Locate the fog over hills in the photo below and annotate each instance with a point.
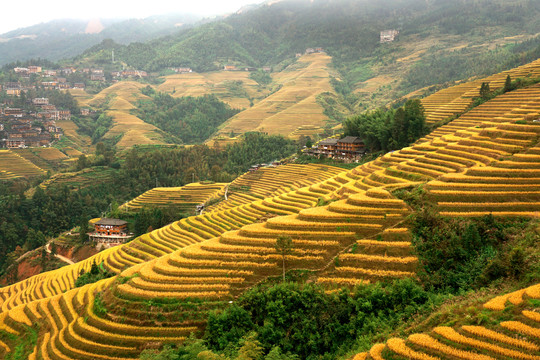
(65, 38)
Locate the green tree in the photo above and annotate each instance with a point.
(284, 246)
(168, 353)
(389, 129)
(82, 162)
(83, 230)
(53, 248)
(34, 239)
(484, 90)
(251, 348)
(276, 354)
(227, 327)
(507, 84)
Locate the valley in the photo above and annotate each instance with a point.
(316, 180)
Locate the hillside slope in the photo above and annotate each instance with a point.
(439, 42)
(172, 277)
(293, 105)
(120, 99)
(512, 333)
(60, 39)
(235, 88)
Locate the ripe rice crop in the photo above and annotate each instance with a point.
(427, 341)
(19, 315)
(96, 334)
(360, 356)
(385, 259)
(452, 335)
(342, 281)
(533, 315)
(399, 347)
(493, 335)
(143, 284)
(533, 291)
(371, 272)
(521, 328)
(129, 292)
(376, 352)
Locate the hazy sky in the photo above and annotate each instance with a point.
(14, 14)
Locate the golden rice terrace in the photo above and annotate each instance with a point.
(490, 157)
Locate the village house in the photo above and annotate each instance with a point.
(182, 70)
(388, 35)
(79, 86)
(68, 71)
(110, 232)
(12, 85)
(133, 73)
(63, 115)
(49, 84)
(14, 112)
(47, 115)
(85, 111)
(14, 142)
(40, 101)
(229, 68)
(95, 77)
(327, 147)
(13, 92)
(49, 73)
(49, 107)
(21, 70)
(267, 69)
(32, 69)
(13, 88)
(350, 147)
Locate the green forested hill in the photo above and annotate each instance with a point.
(60, 39)
(347, 29)
(439, 41)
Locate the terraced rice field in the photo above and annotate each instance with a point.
(369, 260)
(45, 158)
(175, 236)
(306, 130)
(122, 97)
(517, 338)
(80, 179)
(184, 198)
(217, 83)
(294, 105)
(269, 182)
(456, 99)
(208, 260)
(13, 166)
(71, 152)
(75, 140)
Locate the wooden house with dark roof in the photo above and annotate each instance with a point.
(110, 232)
(350, 147)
